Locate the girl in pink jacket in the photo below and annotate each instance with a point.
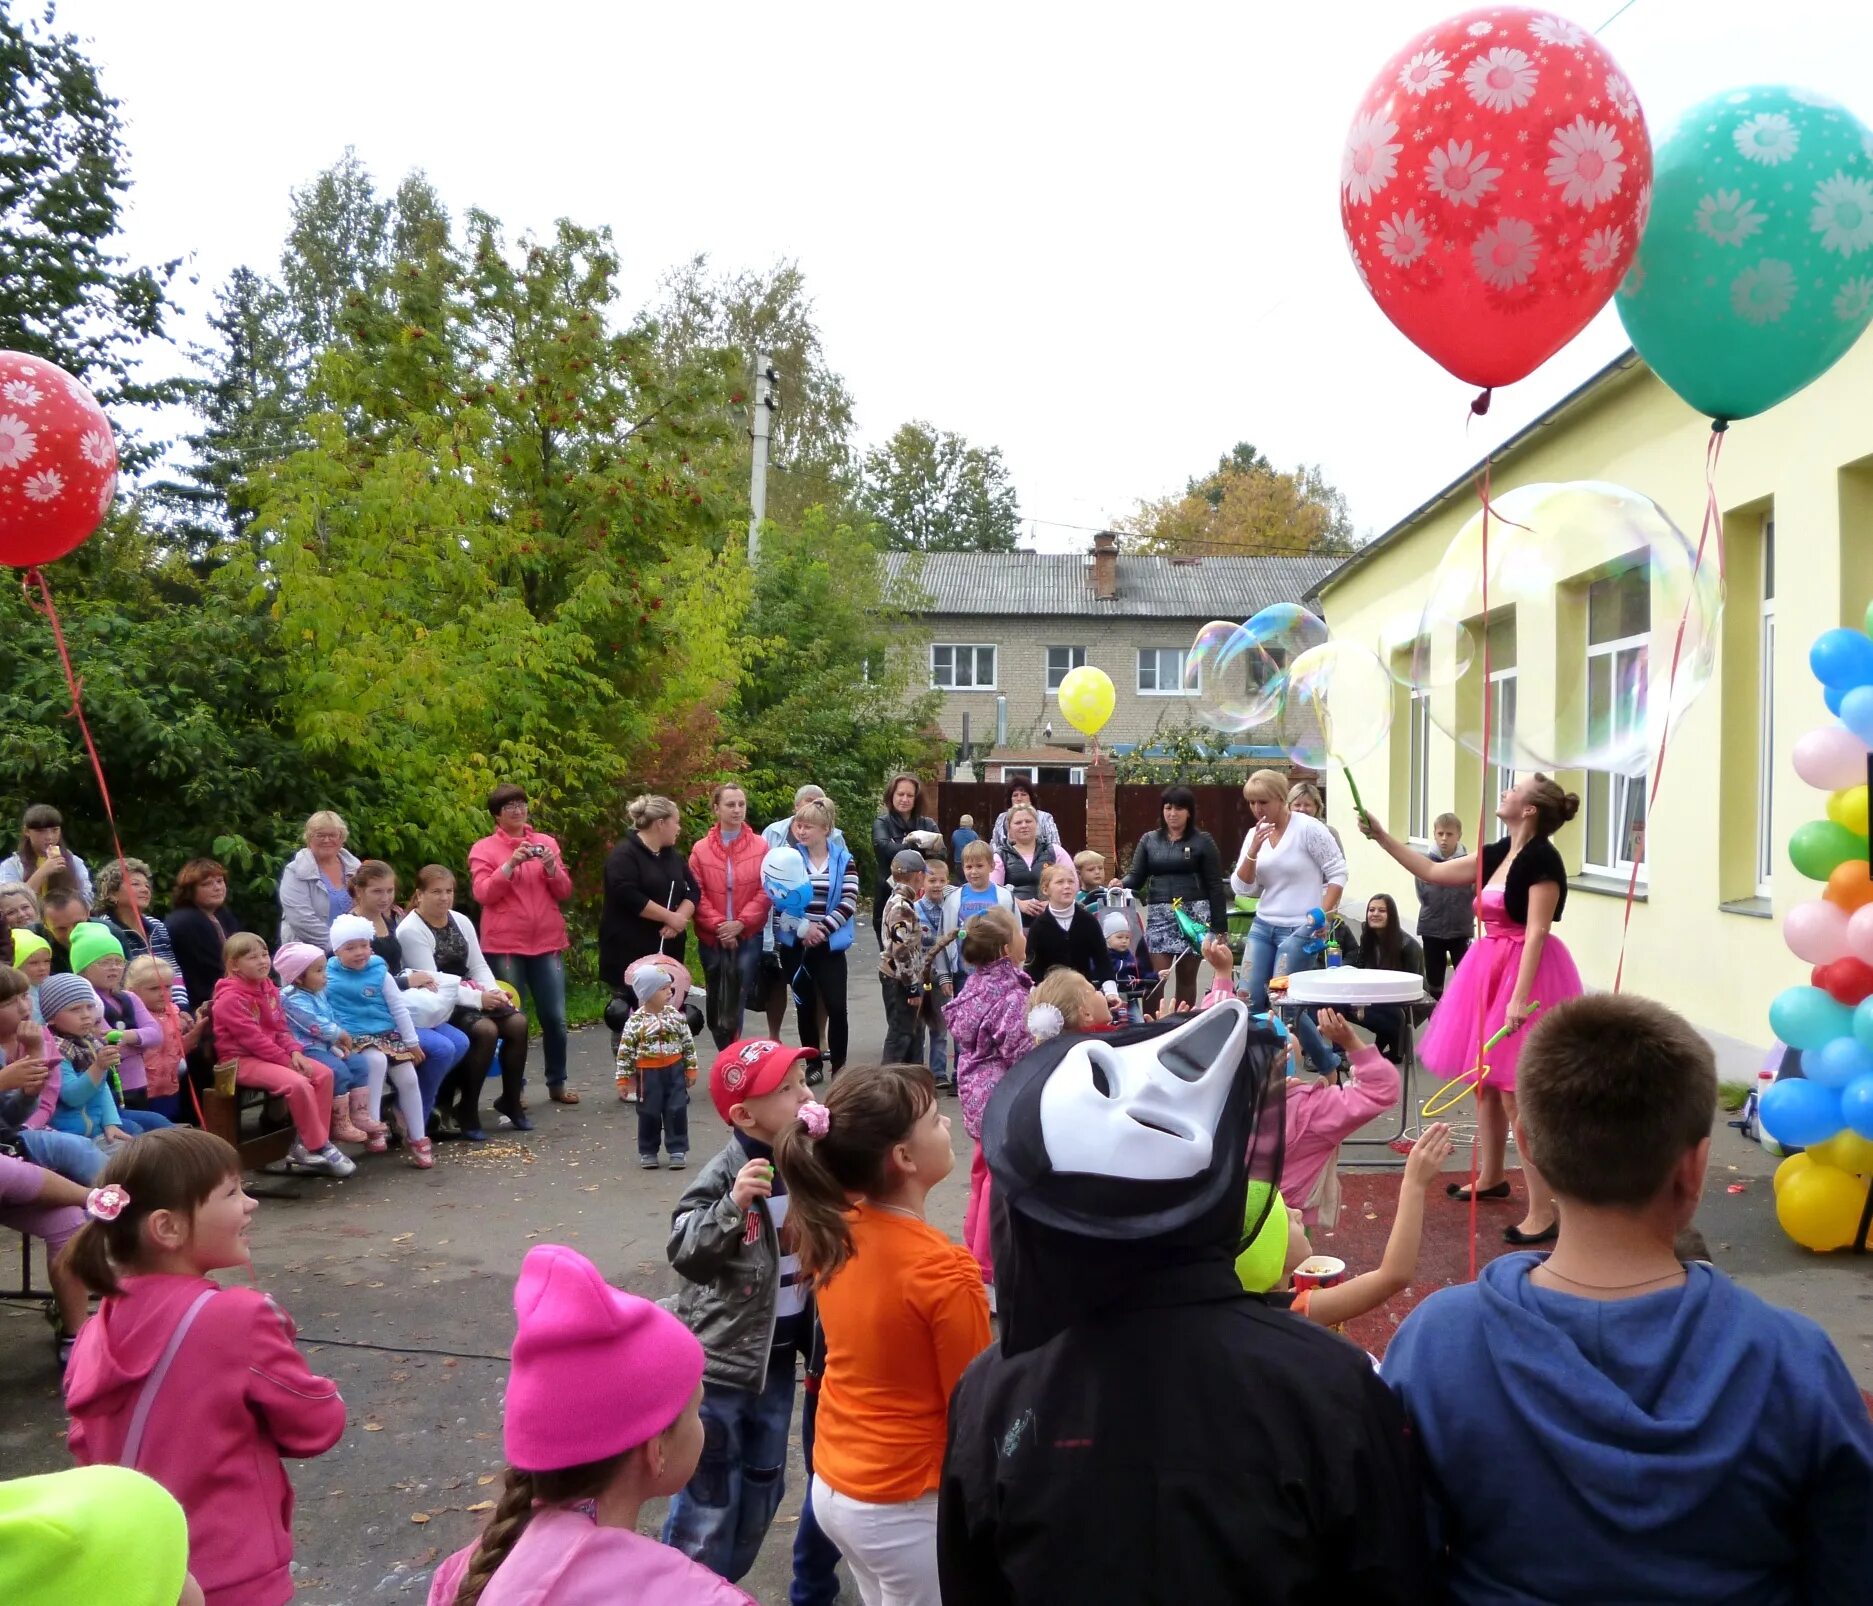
(1321, 1115)
(603, 1412)
(988, 1021)
(250, 1027)
(198, 1386)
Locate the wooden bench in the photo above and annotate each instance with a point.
(264, 1145)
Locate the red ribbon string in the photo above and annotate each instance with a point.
(1482, 821)
(1713, 520)
(43, 604)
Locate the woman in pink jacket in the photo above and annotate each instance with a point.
(198, 1386)
(731, 911)
(520, 881)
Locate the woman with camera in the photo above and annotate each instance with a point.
(520, 881)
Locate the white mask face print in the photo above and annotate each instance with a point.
(1145, 1111)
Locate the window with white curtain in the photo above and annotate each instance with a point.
(1619, 633)
(1765, 702)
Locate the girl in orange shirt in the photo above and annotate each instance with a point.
(903, 1310)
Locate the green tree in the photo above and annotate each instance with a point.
(931, 491)
(1245, 508)
(832, 691)
(500, 555)
(810, 459)
(68, 294)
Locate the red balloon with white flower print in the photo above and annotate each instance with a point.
(58, 461)
(1493, 188)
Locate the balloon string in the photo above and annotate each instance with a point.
(1482, 820)
(43, 604)
(1713, 520)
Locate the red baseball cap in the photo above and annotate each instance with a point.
(749, 1068)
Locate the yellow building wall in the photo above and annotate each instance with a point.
(1809, 462)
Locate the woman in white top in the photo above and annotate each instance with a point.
(1293, 866)
(440, 939)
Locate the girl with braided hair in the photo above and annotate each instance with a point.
(603, 1413)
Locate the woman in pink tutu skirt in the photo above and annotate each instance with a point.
(1518, 964)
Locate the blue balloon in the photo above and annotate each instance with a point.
(785, 879)
(1856, 712)
(1837, 1063)
(1843, 658)
(1833, 696)
(1856, 1107)
(1798, 1112)
(1806, 1017)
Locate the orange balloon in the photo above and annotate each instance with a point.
(1850, 885)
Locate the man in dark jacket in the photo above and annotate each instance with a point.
(1147, 1432)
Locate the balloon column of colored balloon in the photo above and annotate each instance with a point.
(1823, 1195)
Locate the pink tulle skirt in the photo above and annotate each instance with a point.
(1490, 968)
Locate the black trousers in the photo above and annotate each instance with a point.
(1438, 950)
(817, 977)
(903, 1024)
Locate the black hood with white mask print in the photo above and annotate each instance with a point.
(1123, 1159)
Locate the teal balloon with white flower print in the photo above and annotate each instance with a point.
(1755, 271)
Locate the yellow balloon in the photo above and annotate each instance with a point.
(1845, 1151)
(1086, 699)
(1820, 1207)
(1848, 807)
(1793, 1166)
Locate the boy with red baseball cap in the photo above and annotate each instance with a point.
(742, 1299)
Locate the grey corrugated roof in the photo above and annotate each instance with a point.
(1061, 583)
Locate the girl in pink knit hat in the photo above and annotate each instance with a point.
(603, 1413)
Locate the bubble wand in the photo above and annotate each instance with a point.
(1467, 1082)
(1352, 786)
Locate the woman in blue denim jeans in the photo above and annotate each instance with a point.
(1293, 865)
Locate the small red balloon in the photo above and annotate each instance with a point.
(58, 461)
(1846, 981)
(1493, 187)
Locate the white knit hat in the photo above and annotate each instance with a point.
(351, 928)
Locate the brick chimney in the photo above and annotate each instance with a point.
(1105, 567)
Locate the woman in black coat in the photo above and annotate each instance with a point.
(1177, 861)
(649, 894)
(896, 820)
(200, 923)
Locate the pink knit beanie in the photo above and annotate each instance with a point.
(596, 1371)
(294, 959)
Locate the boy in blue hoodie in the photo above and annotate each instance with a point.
(1603, 1423)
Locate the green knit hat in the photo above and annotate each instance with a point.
(1259, 1267)
(27, 943)
(91, 1534)
(92, 941)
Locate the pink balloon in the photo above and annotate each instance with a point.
(1817, 931)
(1860, 933)
(1831, 757)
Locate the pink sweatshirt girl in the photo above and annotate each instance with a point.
(1321, 1116)
(565, 1559)
(249, 1022)
(237, 1397)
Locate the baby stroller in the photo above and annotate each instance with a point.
(623, 1003)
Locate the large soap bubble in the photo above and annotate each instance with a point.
(1593, 579)
(1338, 706)
(1426, 650)
(1239, 672)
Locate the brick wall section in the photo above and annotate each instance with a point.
(1021, 674)
(1101, 808)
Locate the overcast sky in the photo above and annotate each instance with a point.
(1104, 239)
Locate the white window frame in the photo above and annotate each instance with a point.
(1177, 687)
(1418, 780)
(1076, 774)
(1607, 857)
(1765, 717)
(1502, 776)
(1076, 659)
(976, 647)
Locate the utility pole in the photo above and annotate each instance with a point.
(766, 398)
